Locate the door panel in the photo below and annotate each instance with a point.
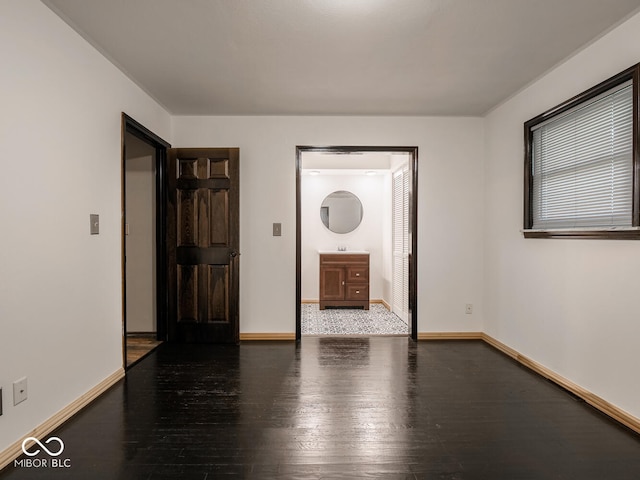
(187, 218)
(332, 283)
(218, 218)
(218, 279)
(203, 224)
(187, 293)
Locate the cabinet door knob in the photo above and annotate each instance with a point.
(357, 291)
(357, 274)
(343, 283)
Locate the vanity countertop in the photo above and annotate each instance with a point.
(332, 252)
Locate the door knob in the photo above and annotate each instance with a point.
(234, 253)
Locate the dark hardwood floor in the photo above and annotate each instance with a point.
(379, 407)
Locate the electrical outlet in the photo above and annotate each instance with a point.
(468, 308)
(277, 229)
(20, 391)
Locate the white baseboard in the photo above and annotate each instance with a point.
(616, 413)
(15, 450)
(592, 399)
(374, 300)
(245, 337)
(449, 335)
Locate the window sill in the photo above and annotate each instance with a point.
(632, 233)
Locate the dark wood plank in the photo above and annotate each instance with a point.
(140, 345)
(339, 408)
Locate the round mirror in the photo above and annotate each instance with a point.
(341, 212)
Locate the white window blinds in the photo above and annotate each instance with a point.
(582, 165)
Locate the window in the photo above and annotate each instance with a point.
(580, 159)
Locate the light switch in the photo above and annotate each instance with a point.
(95, 223)
(20, 391)
(277, 229)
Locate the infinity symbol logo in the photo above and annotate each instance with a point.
(35, 440)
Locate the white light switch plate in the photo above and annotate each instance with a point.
(19, 391)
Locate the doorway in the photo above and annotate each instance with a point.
(143, 245)
(383, 236)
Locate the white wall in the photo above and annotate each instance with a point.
(450, 214)
(140, 199)
(368, 236)
(568, 304)
(60, 288)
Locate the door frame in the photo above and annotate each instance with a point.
(413, 224)
(131, 126)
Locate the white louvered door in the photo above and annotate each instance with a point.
(400, 289)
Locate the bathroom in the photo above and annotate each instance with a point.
(375, 187)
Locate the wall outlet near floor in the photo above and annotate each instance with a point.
(20, 391)
(468, 308)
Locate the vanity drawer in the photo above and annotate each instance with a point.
(344, 259)
(357, 292)
(357, 274)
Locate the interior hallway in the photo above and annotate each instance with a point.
(381, 407)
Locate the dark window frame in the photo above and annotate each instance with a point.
(633, 74)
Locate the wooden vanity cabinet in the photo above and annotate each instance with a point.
(344, 280)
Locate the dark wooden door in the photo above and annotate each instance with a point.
(203, 242)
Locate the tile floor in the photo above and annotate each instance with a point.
(333, 321)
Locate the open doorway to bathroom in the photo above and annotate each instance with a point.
(356, 204)
(143, 244)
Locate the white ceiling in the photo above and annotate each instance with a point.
(338, 57)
